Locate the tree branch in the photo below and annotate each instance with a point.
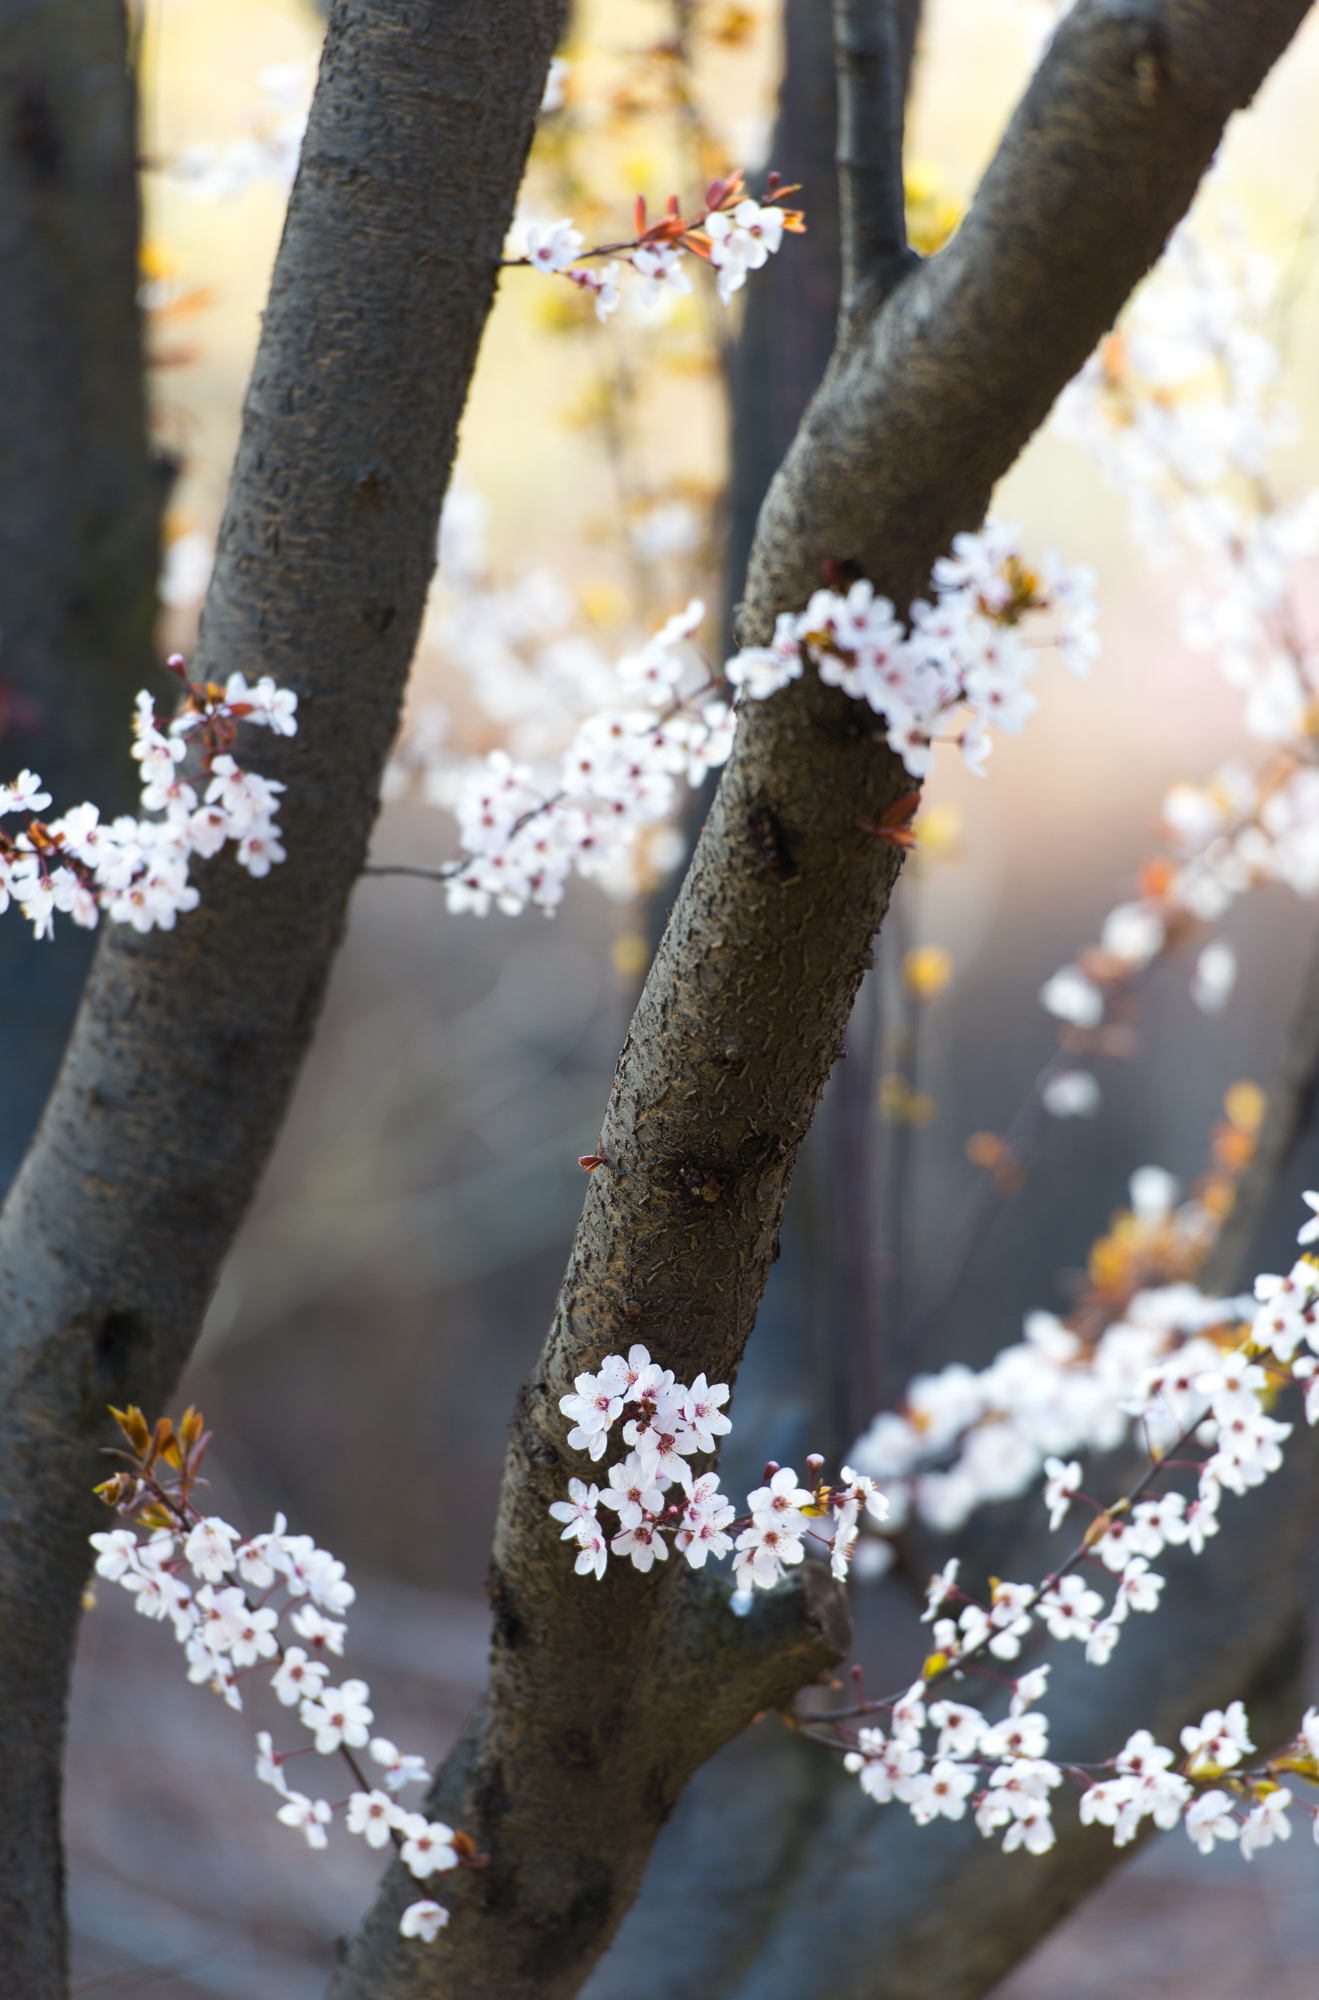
(188, 1042)
(710, 1675)
(80, 498)
(1290, 1105)
(744, 1008)
(777, 1879)
(791, 313)
(872, 57)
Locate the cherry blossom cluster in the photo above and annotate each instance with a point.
(655, 1492)
(731, 232)
(227, 1599)
(136, 870)
(526, 826)
(1205, 1411)
(965, 1437)
(967, 655)
(619, 775)
(550, 694)
(940, 1758)
(1181, 411)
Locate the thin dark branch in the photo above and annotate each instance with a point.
(871, 54)
(909, 29)
(1291, 1101)
(988, 1198)
(405, 868)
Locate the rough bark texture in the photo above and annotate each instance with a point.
(743, 1011)
(187, 1044)
(79, 498)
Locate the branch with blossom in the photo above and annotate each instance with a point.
(972, 650)
(731, 232)
(135, 870)
(962, 1438)
(965, 654)
(666, 1423)
(1180, 410)
(225, 1598)
(1212, 1395)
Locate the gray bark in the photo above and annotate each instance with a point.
(926, 404)
(79, 497)
(788, 322)
(187, 1044)
(873, 52)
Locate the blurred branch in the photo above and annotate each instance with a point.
(872, 54)
(788, 325)
(80, 498)
(80, 503)
(1291, 1102)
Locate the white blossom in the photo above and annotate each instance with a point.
(941, 1791)
(428, 1847)
(400, 1767)
(1209, 1818)
(1071, 1093)
(317, 1630)
(268, 1766)
(1070, 1608)
(1219, 1740)
(311, 1816)
(1070, 996)
(887, 1769)
(210, 1548)
(425, 1919)
(339, 1715)
(1062, 1484)
(1266, 1822)
(373, 1815)
(553, 247)
(298, 1678)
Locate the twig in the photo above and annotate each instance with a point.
(1084, 1548)
(405, 868)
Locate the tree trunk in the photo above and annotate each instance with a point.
(188, 1043)
(79, 497)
